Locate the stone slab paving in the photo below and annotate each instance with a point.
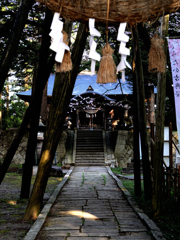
(91, 206)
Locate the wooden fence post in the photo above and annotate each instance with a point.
(179, 181)
(170, 145)
(168, 182)
(152, 144)
(163, 183)
(175, 184)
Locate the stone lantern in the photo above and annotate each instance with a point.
(40, 139)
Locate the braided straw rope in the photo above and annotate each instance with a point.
(130, 11)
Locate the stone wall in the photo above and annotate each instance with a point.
(124, 148)
(7, 136)
(123, 151)
(61, 148)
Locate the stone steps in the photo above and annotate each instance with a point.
(97, 154)
(90, 157)
(89, 164)
(89, 161)
(89, 148)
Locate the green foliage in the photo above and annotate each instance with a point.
(83, 179)
(104, 179)
(24, 63)
(116, 170)
(59, 164)
(13, 116)
(169, 221)
(129, 184)
(26, 59)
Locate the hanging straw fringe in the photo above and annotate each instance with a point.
(157, 57)
(66, 64)
(129, 11)
(107, 69)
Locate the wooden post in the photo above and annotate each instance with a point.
(0, 111)
(43, 113)
(179, 181)
(170, 146)
(142, 116)
(169, 182)
(136, 154)
(104, 118)
(159, 136)
(77, 118)
(152, 145)
(175, 183)
(163, 183)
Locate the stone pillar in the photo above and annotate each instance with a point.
(77, 118)
(124, 148)
(104, 119)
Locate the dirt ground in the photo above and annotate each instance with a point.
(12, 209)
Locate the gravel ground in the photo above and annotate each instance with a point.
(12, 208)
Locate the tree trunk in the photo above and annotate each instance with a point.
(144, 35)
(159, 135)
(137, 172)
(142, 116)
(7, 101)
(0, 112)
(38, 92)
(16, 141)
(14, 38)
(44, 106)
(63, 87)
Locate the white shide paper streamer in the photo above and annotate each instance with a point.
(93, 54)
(123, 50)
(56, 34)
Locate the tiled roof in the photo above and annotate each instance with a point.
(83, 80)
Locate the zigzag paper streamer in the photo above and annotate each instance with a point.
(93, 54)
(123, 50)
(57, 44)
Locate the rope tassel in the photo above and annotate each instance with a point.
(107, 69)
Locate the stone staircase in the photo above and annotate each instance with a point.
(89, 148)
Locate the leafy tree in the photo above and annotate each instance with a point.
(25, 59)
(13, 116)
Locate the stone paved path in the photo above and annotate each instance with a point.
(92, 207)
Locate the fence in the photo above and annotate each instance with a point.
(171, 182)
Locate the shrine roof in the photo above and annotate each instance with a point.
(83, 80)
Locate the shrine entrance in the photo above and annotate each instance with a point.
(91, 120)
(90, 108)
